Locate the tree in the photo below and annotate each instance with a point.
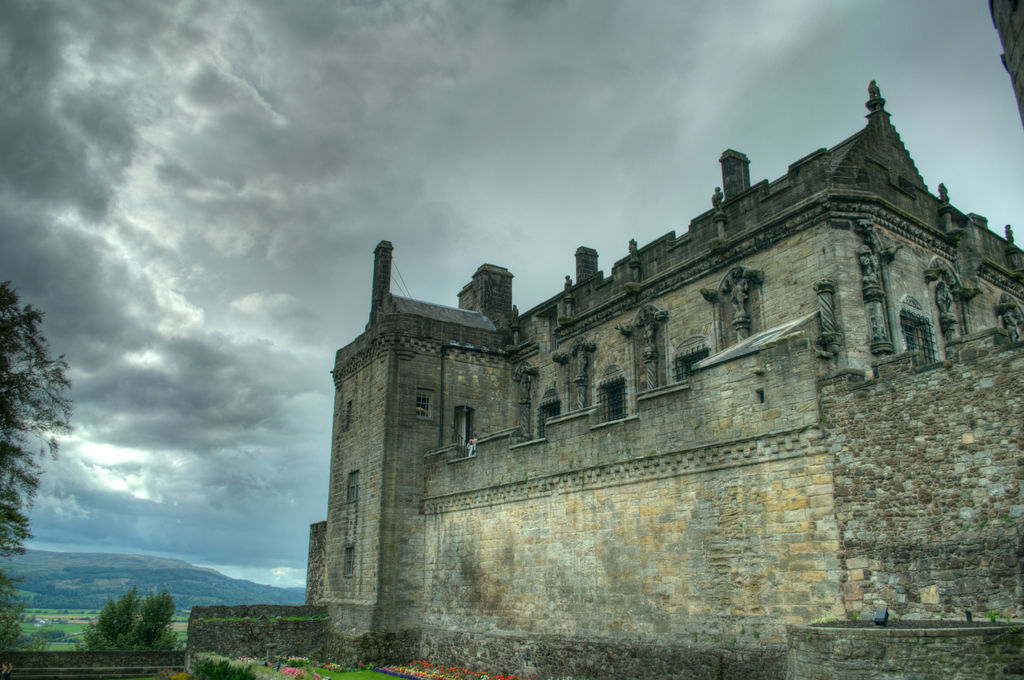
(133, 623)
(33, 411)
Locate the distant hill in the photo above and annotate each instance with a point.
(57, 580)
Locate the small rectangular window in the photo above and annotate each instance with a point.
(348, 414)
(423, 403)
(613, 399)
(353, 487)
(350, 560)
(685, 362)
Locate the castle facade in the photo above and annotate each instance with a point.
(808, 405)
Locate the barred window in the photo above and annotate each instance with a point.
(423, 399)
(350, 560)
(613, 399)
(353, 487)
(917, 334)
(549, 410)
(685, 362)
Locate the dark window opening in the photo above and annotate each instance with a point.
(353, 487)
(686, 362)
(350, 560)
(348, 415)
(760, 396)
(613, 399)
(917, 334)
(549, 410)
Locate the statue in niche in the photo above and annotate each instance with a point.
(947, 317)
(717, 198)
(647, 320)
(524, 375)
(943, 193)
(868, 265)
(736, 288)
(581, 352)
(1013, 320)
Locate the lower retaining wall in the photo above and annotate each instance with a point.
(551, 656)
(262, 631)
(86, 665)
(868, 652)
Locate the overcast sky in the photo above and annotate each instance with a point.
(191, 192)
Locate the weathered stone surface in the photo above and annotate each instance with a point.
(805, 406)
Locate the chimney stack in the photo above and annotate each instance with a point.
(490, 293)
(381, 277)
(735, 173)
(586, 263)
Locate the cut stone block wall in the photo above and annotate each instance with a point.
(88, 665)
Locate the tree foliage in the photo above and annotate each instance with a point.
(133, 622)
(33, 411)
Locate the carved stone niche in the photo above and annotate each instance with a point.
(525, 375)
(647, 331)
(948, 296)
(1010, 317)
(737, 302)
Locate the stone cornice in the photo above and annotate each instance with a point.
(854, 207)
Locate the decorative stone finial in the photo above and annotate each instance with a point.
(568, 284)
(1009, 234)
(943, 193)
(716, 199)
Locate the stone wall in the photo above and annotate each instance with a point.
(548, 656)
(259, 630)
(870, 653)
(928, 470)
(316, 564)
(86, 665)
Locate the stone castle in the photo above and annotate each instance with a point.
(808, 405)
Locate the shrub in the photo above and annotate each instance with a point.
(223, 670)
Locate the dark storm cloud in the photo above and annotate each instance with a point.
(192, 191)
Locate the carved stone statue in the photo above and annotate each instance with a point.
(524, 375)
(943, 193)
(1008, 231)
(581, 351)
(717, 198)
(873, 91)
(868, 265)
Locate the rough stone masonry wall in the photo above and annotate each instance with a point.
(824, 653)
(79, 665)
(928, 470)
(259, 630)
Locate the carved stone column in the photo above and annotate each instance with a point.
(831, 338)
(647, 321)
(870, 256)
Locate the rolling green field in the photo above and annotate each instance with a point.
(65, 626)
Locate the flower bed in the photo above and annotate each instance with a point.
(424, 670)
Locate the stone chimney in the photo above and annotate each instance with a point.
(381, 277)
(490, 293)
(735, 172)
(586, 263)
